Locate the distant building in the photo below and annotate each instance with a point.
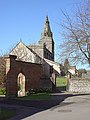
(72, 70)
(86, 75)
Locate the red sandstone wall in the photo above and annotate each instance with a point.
(32, 72)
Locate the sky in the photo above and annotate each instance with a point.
(24, 19)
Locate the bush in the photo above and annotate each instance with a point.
(2, 91)
(40, 90)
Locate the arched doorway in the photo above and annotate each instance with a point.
(21, 84)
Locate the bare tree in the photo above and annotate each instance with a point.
(76, 44)
(66, 66)
(2, 70)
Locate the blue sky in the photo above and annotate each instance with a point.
(24, 19)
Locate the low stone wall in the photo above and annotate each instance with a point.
(79, 86)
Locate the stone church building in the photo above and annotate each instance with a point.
(32, 66)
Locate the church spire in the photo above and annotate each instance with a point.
(47, 40)
(47, 21)
(46, 32)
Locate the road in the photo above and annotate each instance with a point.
(72, 108)
(61, 107)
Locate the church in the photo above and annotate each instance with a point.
(32, 66)
(34, 53)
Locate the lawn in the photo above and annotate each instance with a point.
(38, 96)
(61, 81)
(5, 113)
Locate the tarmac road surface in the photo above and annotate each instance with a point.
(72, 108)
(75, 107)
(62, 107)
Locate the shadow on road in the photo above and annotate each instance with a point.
(35, 106)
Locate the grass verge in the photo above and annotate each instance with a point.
(5, 113)
(38, 96)
(61, 81)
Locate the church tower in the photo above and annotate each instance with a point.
(47, 39)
